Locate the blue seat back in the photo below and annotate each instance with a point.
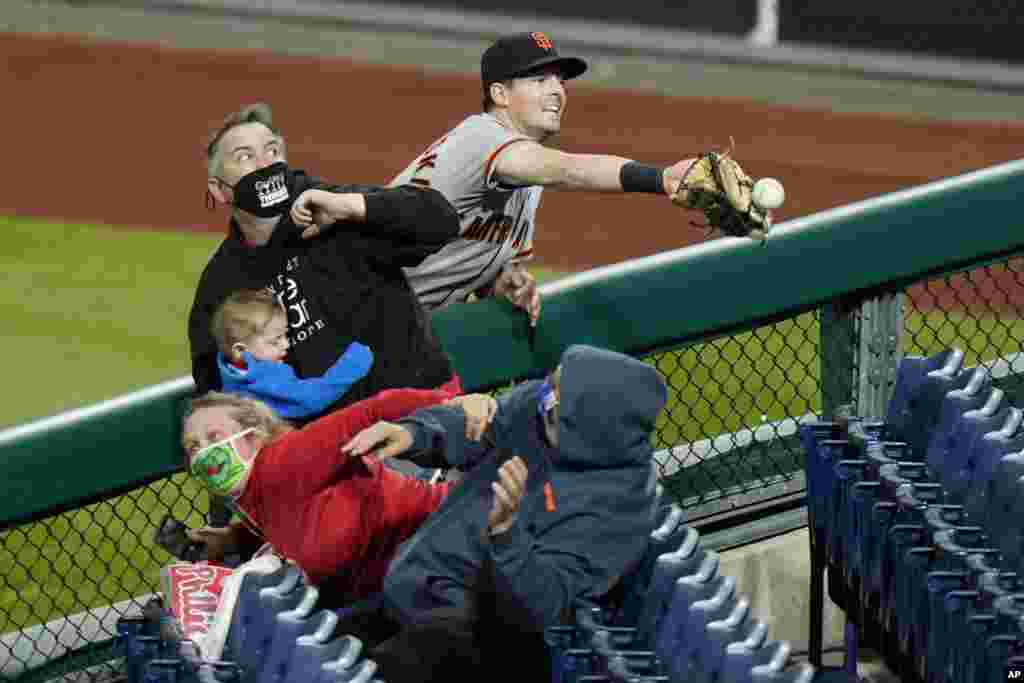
(956, 402)
(288, 626)
(246, 607)
(272, 601)
(910, 375)
(668, 568)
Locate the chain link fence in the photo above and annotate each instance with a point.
(727, 440)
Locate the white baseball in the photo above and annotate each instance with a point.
(768, 193)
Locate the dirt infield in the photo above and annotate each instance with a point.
(113, 133)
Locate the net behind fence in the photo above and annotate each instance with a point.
(726, 440)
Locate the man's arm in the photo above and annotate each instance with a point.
(531, 163)
(419, 220)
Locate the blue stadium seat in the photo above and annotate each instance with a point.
(247, 604)
(589, 622)
(971, 620)
(672, 636)
(314, 650)
(669, 532)
(343, 671)
(937, 640)
(1008, 527)
(984, 459)
(973, 396)
(668, 568)
(559, 639)
(608, 659)
(921, 384)
(288, 626)
(800, 673)
(272, 601)
(966, 432)
(1002, 491)
(910, 373)
(706, 660)
(741, 660)
(571, 664)
(219, 672)
(144, 649)
(692, 646)
(945, 553)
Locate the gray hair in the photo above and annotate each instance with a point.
(253, 113)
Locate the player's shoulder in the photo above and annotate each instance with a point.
(482, 127)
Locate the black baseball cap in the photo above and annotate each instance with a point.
(521, 53)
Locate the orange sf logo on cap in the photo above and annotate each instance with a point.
(543, 42)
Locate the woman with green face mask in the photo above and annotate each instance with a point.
(339, 517)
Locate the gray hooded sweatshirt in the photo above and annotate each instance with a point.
(569, 543)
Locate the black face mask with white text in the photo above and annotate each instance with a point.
(265, 192)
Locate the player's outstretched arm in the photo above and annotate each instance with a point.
(531, 163)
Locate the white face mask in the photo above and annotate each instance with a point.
(221, 468)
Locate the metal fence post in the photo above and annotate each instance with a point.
(838, 356)
(881, 332)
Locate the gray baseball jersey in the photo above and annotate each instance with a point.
(497, 220)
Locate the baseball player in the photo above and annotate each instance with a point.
(493, 166)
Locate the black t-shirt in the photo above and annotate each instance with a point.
(344, 285)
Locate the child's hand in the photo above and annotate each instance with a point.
(384, 440)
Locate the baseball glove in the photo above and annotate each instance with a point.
(718, 186)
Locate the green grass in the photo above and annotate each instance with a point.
(92, 312)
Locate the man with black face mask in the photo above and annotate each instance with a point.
(339, 281)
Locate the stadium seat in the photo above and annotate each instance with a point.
(688, 559)
(218, 672)
(343, 670)
(247, 604)
(128, 629)
(271, 602)
(966, 432)
(971, 620)
(571, 664)
(288, 626)
(144, 649)
(611, 661)
(921, 383)
(589, 622)
(945, 552)
(314, 650)
(672, 635)
(1008, 527)
(1002, 491)
(706, 659)
(972, 396)
(984, 459)
(689, 650)
(669, 532)
(740, 659)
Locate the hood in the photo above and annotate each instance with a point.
(608, 403)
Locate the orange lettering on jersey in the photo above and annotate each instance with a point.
(543, 42)
(496, 228)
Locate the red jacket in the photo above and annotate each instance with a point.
(340, 518)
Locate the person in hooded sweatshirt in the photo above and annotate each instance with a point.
(575, 520)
